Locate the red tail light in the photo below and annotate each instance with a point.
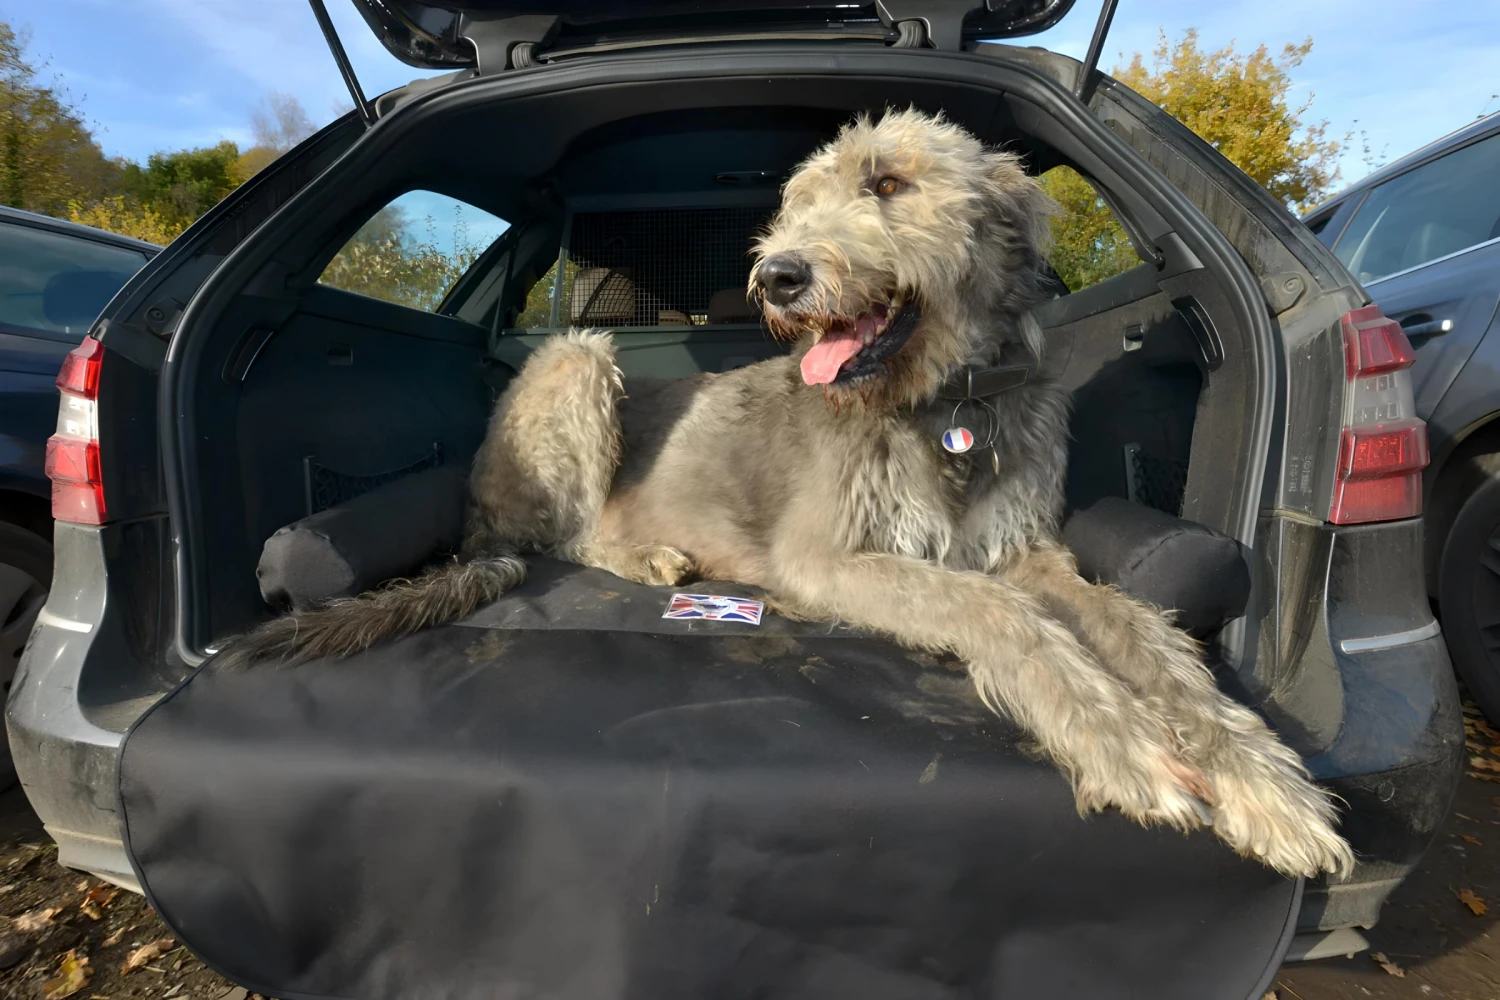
(73, 462)
(1383, 449)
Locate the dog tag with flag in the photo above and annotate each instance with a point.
(958, 440)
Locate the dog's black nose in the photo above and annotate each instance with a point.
(783, 278)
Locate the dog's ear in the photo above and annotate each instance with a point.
(1021, 199)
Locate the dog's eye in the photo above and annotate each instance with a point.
(887, 186)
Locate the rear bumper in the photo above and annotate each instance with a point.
(1396, 763)
(82, 681)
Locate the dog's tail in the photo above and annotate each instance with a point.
(351, 625)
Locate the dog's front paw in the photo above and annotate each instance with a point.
(1153, 788)
(663, 566)
(1287, 824)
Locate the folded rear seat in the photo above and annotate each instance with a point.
(568, 795)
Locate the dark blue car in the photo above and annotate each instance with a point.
(55, 277)
(1423, 237)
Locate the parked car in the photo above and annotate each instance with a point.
(55, 276)
(1238, 377)
(1423, 236)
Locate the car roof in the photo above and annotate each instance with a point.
(1458, 137)
(37, 220)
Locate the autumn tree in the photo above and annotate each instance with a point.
(1241, 104)
(277, 124)
(48, 156)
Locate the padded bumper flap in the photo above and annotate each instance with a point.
(638, 807)
(1178, 565)
(348, 549)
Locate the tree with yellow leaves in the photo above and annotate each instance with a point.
(1240, 103)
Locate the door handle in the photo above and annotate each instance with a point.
(1427, 327)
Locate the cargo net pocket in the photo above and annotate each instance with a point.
(662, 267)
(328, 487)
(1160, 483)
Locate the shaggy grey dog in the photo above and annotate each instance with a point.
(904, 257)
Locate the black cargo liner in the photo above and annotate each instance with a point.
(568, 796)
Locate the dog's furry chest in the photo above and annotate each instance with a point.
(898, 494)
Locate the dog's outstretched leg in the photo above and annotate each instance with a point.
(1114, 748)
(1264, 803)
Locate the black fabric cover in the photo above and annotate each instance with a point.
(567, 796)
(345, 550)
(1178, 565)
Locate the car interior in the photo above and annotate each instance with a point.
(307, 396)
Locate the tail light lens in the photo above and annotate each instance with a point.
(1383, 446)
(73, 462)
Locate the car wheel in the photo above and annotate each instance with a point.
(1469, 590)
(25, 577)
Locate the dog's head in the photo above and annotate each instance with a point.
(901, 250)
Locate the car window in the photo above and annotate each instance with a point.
(58, 283)
(414, 250)
(1321, 228)
(1439, 208)
(1088, 242)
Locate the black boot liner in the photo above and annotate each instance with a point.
(568, 796)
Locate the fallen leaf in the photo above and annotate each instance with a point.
(1470, 708)
(34, 920)
(1471, 819)
(1472, 840)
(1273, 995)
(145, 953)
(1390, 967)
(173, 991)
(1473, 902)
(1484, 764)
(99, 897)
(114, 938)
(1484, 777)
(73, 974)
(1487, 729)
(83, 886)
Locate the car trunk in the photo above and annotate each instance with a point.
(562, 794)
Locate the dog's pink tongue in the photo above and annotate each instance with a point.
(821, 364)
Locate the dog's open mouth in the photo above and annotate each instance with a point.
(856, 347)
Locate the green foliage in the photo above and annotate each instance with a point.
(1239, 103)
(1088, 245)
(182, 185)
(538, 311)
(48, 156)
(383, 261)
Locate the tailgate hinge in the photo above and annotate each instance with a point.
(937, 24)
(502, 43)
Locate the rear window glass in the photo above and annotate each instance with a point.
(651, 268)
(1432, 211)
(413, 251)
(58, 283)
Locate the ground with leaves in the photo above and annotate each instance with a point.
(63, 935)
(1437, 939)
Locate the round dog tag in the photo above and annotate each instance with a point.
(958, 440)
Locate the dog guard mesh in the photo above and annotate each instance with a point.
(661, 267)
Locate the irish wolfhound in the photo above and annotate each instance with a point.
(904, 259)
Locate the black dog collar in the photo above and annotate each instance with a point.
(980, 383)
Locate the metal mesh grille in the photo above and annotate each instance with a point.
(1156, 482)
(664, 267)
(328, 487)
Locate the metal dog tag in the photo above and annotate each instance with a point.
(957, 440)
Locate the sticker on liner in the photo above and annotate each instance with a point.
(714, 608)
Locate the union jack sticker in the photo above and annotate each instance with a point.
(714, 608)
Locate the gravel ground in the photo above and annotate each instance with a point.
(63, 935)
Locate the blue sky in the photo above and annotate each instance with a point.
(164, 74)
